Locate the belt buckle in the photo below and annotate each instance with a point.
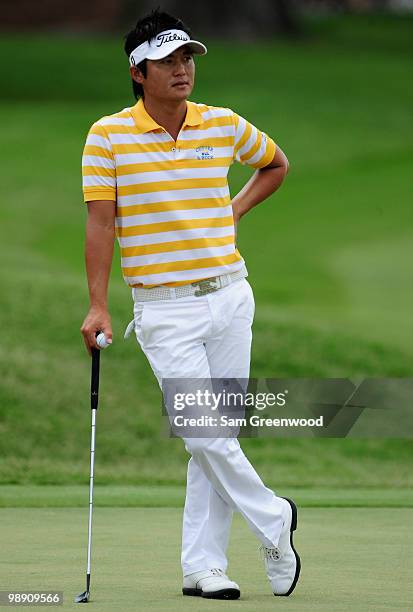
(205, 286)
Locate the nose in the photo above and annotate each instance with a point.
(179, 67)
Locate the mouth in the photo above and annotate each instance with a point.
(181, 84)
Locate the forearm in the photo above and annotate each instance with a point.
(98, 258)
(261, 185)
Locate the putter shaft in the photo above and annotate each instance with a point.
(94, 399)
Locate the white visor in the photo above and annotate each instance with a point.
(164, 44)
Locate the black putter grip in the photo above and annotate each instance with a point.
(94, 381)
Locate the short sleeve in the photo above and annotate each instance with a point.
(251, 146)
(98, 166)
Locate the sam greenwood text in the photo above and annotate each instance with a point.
(254, 420)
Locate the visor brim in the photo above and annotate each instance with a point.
(194, 46)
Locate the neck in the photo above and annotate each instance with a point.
(170, 115)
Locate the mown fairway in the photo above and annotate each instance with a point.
(329, 256)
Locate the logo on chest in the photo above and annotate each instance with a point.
(205, 152)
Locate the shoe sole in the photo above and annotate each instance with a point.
(297, 558)
(223, 594)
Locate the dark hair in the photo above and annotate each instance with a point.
(146, 28)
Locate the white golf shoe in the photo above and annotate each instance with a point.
(282, 562)
(212, 583)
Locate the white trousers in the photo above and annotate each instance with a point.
(202, 337)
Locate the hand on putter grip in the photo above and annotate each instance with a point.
(102, 342)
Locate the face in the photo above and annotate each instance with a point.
(170, 78)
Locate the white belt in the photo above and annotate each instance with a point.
(197, 289)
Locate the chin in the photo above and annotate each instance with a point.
(180, 97)
(181, 94)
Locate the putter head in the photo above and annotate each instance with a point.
(83, 597)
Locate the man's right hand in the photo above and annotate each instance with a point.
(97, 320)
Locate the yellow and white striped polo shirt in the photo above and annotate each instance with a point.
(174, 218)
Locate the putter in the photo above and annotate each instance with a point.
(94, 398)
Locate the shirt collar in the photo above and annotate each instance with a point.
(145, 123)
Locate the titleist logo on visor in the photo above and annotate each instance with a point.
(163, 44)
(165, 37)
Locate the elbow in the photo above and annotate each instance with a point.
(108, 225)
(102, 225)
(281, 164)
(283, 169)
(285, 164)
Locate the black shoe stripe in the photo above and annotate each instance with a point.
(223, 594)
(192, 592)
(297, 558)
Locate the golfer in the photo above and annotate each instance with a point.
(155, 175)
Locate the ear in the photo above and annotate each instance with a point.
(136, 74)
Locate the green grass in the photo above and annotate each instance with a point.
(353, 558)
(173, 496)
(329, 255)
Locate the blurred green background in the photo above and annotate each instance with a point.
(329, 256)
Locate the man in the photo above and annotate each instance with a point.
(157, 173)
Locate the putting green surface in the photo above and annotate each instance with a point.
(353, 559)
